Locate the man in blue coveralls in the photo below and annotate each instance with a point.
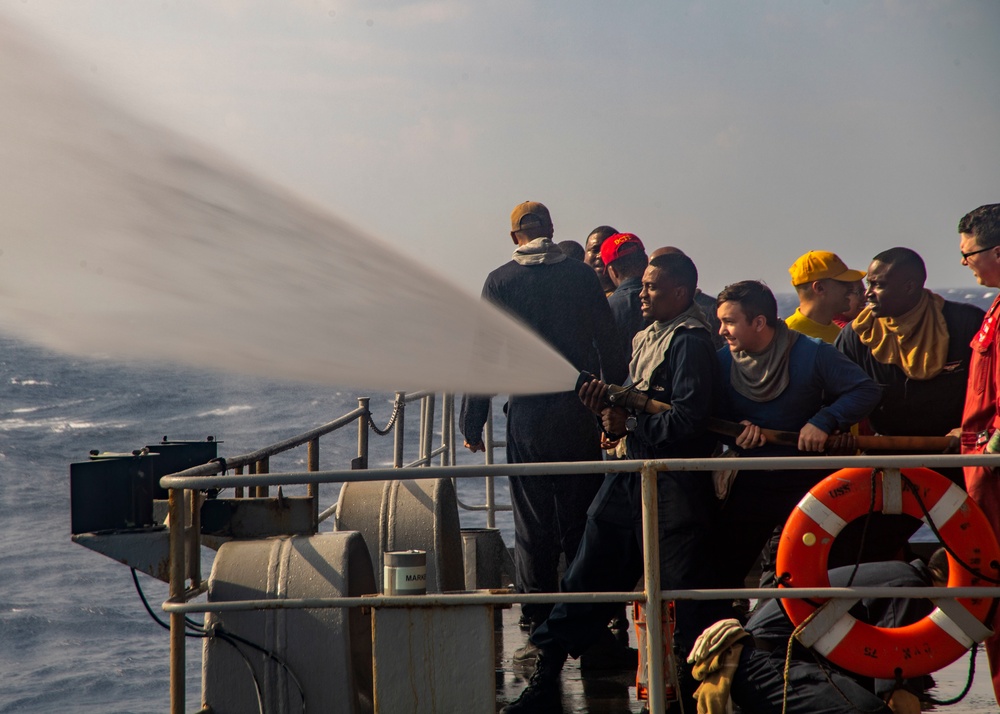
(561, 300)
(673, 361)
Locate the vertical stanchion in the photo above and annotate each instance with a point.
(450, 431)
(175, 506)
(654, 599)
(263, 467)
(397, 451)
(194, 541)
(363, 432)
(312, 459)
(427, 435)
(491, 507)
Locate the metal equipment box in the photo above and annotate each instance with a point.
(174, 456)
(112, 492)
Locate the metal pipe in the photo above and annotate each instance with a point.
(448, 429)
(654, 596)
(427, 435)
(397, 450)
(263, 467)
(491, 515)
(193, 541)
(312, 464)
(175, 508)
(484, 598)
(421, 430)
(326, 513)
(181, 480)
(363, 430)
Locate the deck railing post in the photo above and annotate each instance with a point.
(427, 428)
(312, 464)
(175, 506)
(654, 598)
(491, 506)
(363, 431)
(448, 431)
(263, 467)
(400, 408)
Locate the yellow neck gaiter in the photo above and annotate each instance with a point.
(916, 342)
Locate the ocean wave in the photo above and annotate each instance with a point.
(226, 411)
(44, 407)
(30, 382)
(57, 425)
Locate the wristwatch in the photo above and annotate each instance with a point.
(631, 423)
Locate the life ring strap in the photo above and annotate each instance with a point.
(958, 623)
(836, 634)
(821, 513)
(946, 507)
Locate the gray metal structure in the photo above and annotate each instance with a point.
(184, 543)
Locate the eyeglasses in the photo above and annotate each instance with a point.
(966, 256)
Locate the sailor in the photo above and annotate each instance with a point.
(624, 259)
(572, 249)
(592, 256)
(561, 300)
(823, 283)
(673, 362)
(979, 243)
(855, 302)
(915, 345)
(814, 685)
(776, 378)
(702, 299)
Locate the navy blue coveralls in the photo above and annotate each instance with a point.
(815, 686)
(610, 556)
(563, 303)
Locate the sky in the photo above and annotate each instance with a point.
(745, 133)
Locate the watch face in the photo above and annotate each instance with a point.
(631, 423)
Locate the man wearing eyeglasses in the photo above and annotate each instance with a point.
(979, 243)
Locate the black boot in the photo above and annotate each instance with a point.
(543, 694)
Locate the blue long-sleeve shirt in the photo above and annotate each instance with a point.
(825, 389)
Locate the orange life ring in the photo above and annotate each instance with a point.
(803, 552)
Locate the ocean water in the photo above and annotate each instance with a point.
(73, 635)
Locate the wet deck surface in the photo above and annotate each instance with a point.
(597, 693)
(614, 692)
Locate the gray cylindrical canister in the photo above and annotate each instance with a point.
(405, 572)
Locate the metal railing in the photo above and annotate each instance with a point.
(178, 603)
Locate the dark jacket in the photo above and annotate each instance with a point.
(627, 313)
(929, 407)
(564, 304)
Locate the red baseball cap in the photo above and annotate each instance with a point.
(619, 245)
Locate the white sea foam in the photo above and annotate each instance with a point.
(226, 411)
(30, 382)
(123, 238)
(57, 425)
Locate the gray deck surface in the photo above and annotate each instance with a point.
(614, 693)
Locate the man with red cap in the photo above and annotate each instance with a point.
(824, 285)
(625, 261)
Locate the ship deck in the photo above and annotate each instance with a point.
(614, 692)
(606, 692)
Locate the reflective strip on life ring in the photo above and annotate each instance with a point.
(916, 649)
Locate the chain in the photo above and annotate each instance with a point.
(392, 421)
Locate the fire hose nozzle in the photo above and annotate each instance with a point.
(617, 395)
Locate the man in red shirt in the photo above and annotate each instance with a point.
(979, 232)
